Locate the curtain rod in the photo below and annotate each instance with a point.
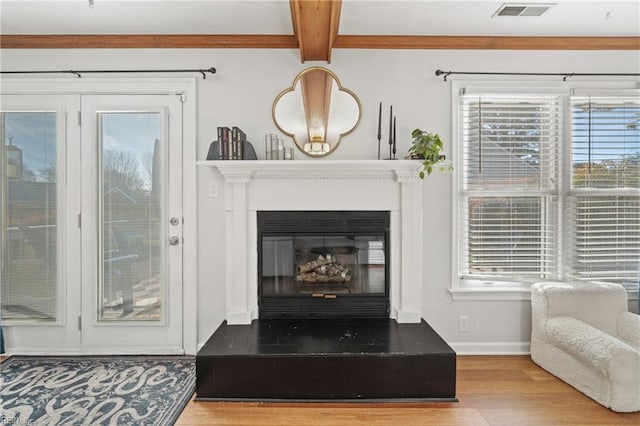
(79, 73)
(564, 75)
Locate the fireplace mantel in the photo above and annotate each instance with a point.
(258, 185)
(244, 171)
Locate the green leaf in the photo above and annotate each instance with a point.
(426, 145)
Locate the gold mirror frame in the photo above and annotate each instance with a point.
(315, 112)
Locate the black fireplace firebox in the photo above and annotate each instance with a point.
(323, 264)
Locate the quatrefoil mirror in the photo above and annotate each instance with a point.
(316, 111)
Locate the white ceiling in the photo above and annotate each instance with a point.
(565, 18)
(380, 17)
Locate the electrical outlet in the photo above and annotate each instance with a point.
(463, 323)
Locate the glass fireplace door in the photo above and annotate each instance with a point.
(323, 274)
(323, 266)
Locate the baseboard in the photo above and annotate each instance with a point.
(491, 348)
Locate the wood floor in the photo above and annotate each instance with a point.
(493, 390)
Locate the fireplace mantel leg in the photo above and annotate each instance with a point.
(236, 255)
(409, 308)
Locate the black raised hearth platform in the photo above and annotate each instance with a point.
(326, 359)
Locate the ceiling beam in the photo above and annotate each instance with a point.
(147, 41)
(486, 42)
(270, 41)
(315, 26)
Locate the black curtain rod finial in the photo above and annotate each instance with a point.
(212, 70)
(445, 73)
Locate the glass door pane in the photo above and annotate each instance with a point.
(28, 215)
(130, 216)
(298, 264)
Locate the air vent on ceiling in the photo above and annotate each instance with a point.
(523, 9)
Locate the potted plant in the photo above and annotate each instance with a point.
(426, 146)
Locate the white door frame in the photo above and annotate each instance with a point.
(183, 86)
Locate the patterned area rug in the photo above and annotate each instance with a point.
(119, 390)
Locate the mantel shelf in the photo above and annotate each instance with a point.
(247, 170)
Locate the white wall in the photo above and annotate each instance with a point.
(241, 94)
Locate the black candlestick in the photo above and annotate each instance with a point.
(394, 138)
(390, 129)
(379, 128)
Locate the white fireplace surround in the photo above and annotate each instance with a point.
(252, 186)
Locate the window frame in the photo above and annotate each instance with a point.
(518, 290)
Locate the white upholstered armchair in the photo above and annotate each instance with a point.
(583, 334)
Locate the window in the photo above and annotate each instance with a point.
(517, 222)
(604, 200)
(509, 187)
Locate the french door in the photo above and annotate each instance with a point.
(39, 237)
(92, 223)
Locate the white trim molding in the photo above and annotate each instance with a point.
(491, 348)
(252, 186)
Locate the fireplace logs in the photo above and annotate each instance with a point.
(324, 269)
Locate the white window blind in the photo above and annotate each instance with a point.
(604, 197)
(509, 180)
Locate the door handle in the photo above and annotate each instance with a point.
(174, 241)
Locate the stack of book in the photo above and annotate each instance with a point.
(231, 142)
